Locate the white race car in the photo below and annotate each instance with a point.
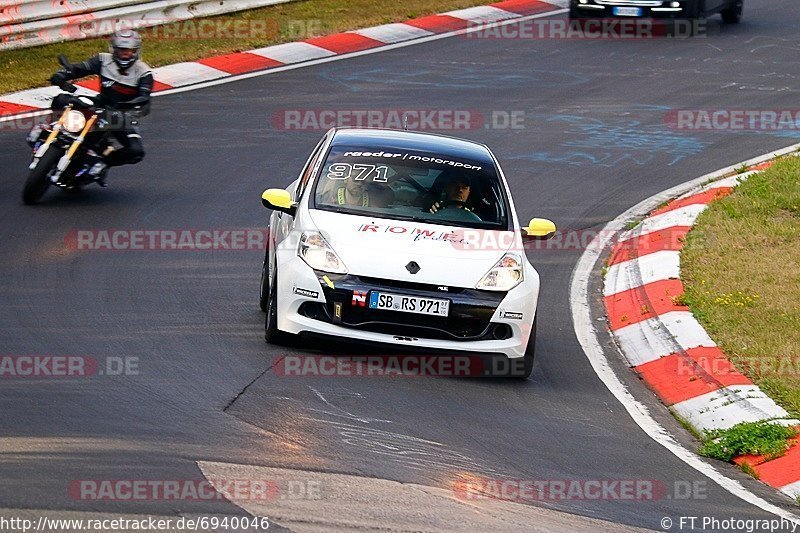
(402, 238)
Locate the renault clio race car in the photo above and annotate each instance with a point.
(402, 238)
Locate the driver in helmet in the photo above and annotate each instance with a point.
(456, 194)
(125, 82)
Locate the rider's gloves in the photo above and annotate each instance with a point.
(59, 77)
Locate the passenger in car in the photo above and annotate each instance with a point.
(358, 193)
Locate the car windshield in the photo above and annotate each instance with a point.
(424, 187)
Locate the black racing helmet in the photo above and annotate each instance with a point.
(125, 40)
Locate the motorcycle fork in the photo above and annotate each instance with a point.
(63, 163)
(50, 138)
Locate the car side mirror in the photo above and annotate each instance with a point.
(539, 229)
(279, 200)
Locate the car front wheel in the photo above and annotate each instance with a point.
(263, 295)
(733, 14)
(530, 352)
(271, 332)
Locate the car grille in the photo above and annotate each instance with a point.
(637, 3)
(470, 316)
(395, 284)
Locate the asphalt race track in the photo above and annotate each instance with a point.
(594, 143)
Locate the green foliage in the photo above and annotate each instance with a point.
(754, 438)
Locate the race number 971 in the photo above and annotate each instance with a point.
(359, 172)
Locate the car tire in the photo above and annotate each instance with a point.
(271, 332)
(530, 353)
(697, 18)
(263, 294)
(733, 14)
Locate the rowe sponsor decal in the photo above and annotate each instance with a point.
(413, 232)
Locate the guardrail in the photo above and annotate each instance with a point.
(26, 23)
(16, 12)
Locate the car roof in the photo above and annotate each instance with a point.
(412, 141)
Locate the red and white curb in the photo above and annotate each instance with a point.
(25, 103)
(668, 347)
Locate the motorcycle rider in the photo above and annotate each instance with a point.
(125, 81)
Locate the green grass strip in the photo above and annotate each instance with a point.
(741, 270)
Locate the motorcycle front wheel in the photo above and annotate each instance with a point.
(39, 178)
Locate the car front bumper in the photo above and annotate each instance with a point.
(647, 9)
(484, 322)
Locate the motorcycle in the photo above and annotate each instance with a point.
(66, 151)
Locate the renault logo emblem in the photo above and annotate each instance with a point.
(413, 267)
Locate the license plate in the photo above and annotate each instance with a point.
(408, 304)
(628, 11)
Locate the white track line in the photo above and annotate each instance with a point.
(587, 336)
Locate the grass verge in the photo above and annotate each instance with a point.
(747, 438)
(31, 67)
(741, 270)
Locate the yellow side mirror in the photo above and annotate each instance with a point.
(540, 228)
(278, 199)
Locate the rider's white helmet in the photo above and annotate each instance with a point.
(125, 40)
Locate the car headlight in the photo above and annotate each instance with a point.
(318, 254)
(74, 122)
(504, 275)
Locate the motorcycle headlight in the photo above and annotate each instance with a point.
(318, 254)
(74, 121)
(504, 275)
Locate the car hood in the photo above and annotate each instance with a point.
(383, 248)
